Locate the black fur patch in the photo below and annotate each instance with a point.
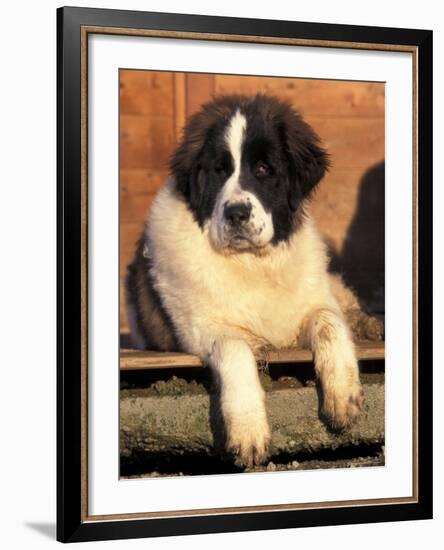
(282, 160)
(152, 322)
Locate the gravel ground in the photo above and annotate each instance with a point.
(376, 458)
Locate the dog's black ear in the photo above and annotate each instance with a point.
(186, 164)
(307, 159)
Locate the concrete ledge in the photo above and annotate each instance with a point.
(190, 423)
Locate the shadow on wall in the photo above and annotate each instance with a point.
(361, 261)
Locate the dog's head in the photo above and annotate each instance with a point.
(245, 166)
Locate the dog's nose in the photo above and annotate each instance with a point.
(237, 213)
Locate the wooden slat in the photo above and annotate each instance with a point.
(325, 98)
(147, 93)
(142, 181)
(146, 142)
(199, 90)
(180, 103)
(144, 360)
(352, 143)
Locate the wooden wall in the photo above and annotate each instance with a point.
(348, 116)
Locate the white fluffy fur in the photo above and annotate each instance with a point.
(226, 306)
(260, 224)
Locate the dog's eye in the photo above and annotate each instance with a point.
(261, 170)
(220, 168)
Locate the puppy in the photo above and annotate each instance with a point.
(231, 263)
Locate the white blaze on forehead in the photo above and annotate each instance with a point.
(260, 225)
(234, 138)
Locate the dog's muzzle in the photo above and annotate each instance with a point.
(237, 222)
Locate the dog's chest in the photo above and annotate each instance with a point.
(270, 307)
(265, 305)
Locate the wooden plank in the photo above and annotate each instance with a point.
(134, 207)
(180, 103)
(351, 142)
(141, 360)
(146, 142)
(144, 180)
(199, 90)
(148, 93)
(144, 360)
(326, 98)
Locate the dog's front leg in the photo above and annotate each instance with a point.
(242, 400)
(328, 336)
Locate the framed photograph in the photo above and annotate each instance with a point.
(244, 274)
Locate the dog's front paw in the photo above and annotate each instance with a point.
(364, 326)
(342, 402)
(248, 437)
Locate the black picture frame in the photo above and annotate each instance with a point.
(72, 525)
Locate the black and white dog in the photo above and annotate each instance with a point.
(231, 262)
